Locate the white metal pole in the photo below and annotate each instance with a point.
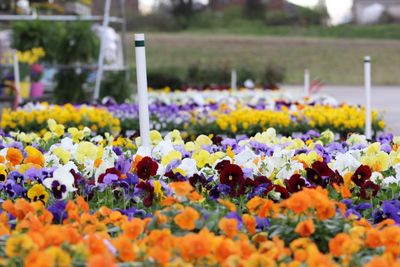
(141, 76)
(306, 82)
(16, 77)
(100, 64)
(367, 83)
(233, 80)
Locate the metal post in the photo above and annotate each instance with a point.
(100, 64)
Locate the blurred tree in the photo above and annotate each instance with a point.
(182, 10)
(254, 9)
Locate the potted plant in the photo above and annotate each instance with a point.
(37, 87)
(26, 59)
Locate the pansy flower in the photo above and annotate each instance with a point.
(369, 189)
(147, 190)
(3, 174)
(362, 174)
(295, 183)
(62, 181)
(146, 167)
(233, 176)
(38, 193)
(17, 177)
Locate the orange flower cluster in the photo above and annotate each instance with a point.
(176, 237)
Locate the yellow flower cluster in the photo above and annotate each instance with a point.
(320, 117)
(31, 56)
(247, 117)
(97, 119)
(350, 117)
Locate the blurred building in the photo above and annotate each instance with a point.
(375, 11)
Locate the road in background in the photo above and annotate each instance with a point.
(385, 99)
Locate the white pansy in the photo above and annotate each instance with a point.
(345, 163)
(244, 156)
(162, 149)
(289, 169)
(188, 165)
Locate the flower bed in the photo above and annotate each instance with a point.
(33, 118)
(72, 197)
(245, 112)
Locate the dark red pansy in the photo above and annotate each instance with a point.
(146, 167)
(221, 165)
(295, 183)
(258, 180)
(361, 175)
(108, 171)
(315, 178)
(369, 189)
(277, 188)
(323, 169)
(338, 179)
(148, 192)
(231, 175)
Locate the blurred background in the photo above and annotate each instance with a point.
(197, 43)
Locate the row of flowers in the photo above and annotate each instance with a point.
(34, 117)
(194, 113)
(309, 228)
(245, 112)
(264, 200)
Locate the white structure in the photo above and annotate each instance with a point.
(372, 11)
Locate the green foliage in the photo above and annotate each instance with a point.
(275, 18)
(273, 75)
(78, 44)
(116, 86)
(45, 34)
(159, 78)
(69, 86)
(254, 9)
(157, 21)
(65, 43)
(206, 75)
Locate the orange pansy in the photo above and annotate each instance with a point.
(228, 226)
(14, 156)
(186, 220)
(305, 228)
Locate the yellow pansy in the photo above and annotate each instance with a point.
(155, 137)
(377, 162)
(38, 193)
(180, 171)
(309, 158)
(203, 140)
(76, 134)
(85, 150)
(229, 152)
(190, 146)
(62, 154)
(158, 189)
(57, 129)
(216, 156)
(173, 155)
(201, 157)
(374, 148)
